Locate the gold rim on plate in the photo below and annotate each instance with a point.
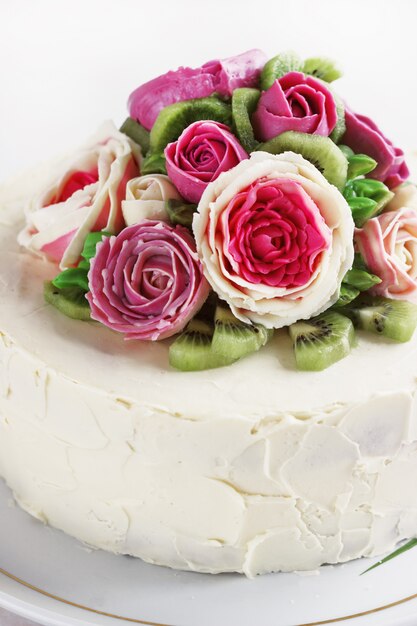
(132, 620)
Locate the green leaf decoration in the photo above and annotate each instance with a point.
(407, 546)
(72, 277)
(153, 164)
(347, 295)
(174, 118)
(137, 133)
(69, 301)
(359, 165)
(72, 283)
(180, 212)
(90, 245)
(360, 279)
(322, 67)
(366, 198)
(279, 66)
(244, 103)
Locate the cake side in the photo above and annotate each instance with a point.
(215, 491)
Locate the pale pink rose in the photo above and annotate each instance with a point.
(295, 102)
(202, 152)
(388, 244)
(147, 282)
(84, 194)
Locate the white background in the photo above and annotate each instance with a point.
(65, 65)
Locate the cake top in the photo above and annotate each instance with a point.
(239, 199)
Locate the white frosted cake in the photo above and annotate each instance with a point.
(257, 466)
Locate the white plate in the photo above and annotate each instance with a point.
(53, 579)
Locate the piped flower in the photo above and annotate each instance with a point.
(388, 245)
(218, 76)
(275, 239)
(147, 282)
(203, 151)
(83, 195)
(295, 102)
(363, 136)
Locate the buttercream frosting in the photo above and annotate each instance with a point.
(251, 468)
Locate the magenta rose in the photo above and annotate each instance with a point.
(295, 102)
(218, 76)
(147, 282)
(364, 136)
(203, 151)
(388, 244)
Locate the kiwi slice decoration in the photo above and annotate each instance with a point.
(233, 339)
(395, 319)
(321, 341)
(70, 301)
(174, 118)
(278, 66)
(244, 102)
(323, 68)
(205, 346)
(191, 351)
(321, 151)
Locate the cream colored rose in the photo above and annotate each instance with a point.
(83, 193)
(275, 239)
(146, 197)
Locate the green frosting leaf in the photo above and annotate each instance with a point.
(77, 276)
(153, 164)
(244, 102)
(347, 295)
(279, 66)
(137, 133)
(366, 198)
(179, 212)
(360, 279)
(359, 165)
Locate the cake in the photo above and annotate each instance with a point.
(259, 252)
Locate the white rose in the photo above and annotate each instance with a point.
(83, 194)
(146, 197)
(275, 239)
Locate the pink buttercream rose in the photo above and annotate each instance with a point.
(273, 233)
(295, 102)
(147, 282)
(364, 136)
(388, 244)
(84, 194)
(275, 239)
(218, 76)
(201, 153)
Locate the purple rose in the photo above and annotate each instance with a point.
(364, 136)
(147, 282)
(201, 153)
(220, 76)
(295, 102)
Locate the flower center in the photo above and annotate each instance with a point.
(275, 234)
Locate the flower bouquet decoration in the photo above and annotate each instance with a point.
(238, 198)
